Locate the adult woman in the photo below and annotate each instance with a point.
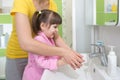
(22, 40)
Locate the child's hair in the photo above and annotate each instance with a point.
(46, 16)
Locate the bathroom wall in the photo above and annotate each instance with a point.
(77, 19)
(67, 21)
(110, 36)
(5, 24)
(82, 18)
(59, 8)
(76, 32)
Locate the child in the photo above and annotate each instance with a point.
(45, 25)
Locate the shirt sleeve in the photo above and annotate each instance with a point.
(20, 6)
(45, 61)
(53, 6)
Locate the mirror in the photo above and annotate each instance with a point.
(106, 12)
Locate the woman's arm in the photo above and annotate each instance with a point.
(27, 43)
(76, 56)
(49, 63)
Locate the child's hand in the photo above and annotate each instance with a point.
(61, 62)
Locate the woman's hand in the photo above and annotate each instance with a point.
(73, 58)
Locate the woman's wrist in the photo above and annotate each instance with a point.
(62, 52)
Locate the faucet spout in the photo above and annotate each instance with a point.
(99, 51)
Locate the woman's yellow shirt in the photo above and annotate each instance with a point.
(26, 7)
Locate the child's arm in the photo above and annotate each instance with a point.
(61, 62)
(49, 63)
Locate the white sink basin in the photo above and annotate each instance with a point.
(99, 72)
(91, 70)
(67, 73)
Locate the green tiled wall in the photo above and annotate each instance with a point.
(5, 19)
(59, 6)
(2, 52)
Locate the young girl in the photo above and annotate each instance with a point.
(45, 25)
(21, 40)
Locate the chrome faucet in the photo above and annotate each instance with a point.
(99, 51)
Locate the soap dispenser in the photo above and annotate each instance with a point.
(112, 62)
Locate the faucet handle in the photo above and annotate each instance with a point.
(98, 47)
(98, 44)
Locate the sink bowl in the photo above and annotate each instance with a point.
(91, 70)
(99, 72)
(67, 73)
(94, 70)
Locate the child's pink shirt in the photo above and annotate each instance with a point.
(37, 63)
